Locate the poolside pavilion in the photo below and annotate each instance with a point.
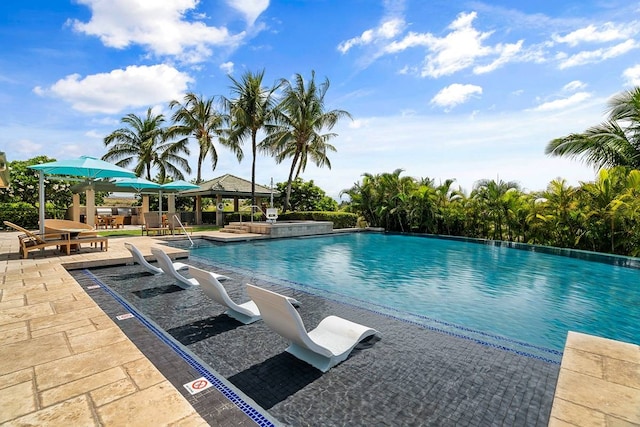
(226, 186)
(223, 187)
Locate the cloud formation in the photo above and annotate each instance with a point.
(111, 93)
(455, 94)
(464, 46)
(162, 26)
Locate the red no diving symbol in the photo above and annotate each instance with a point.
(199, 384)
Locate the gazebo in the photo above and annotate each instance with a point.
(226, 187)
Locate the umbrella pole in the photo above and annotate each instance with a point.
(41, 209)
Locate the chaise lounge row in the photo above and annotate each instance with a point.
(328, 344)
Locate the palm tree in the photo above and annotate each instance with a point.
(492, 195)
(300, 119)
(250, 109)
(198, 118)
(145, 142)
(615, 142)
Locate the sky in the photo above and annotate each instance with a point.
(440, 89)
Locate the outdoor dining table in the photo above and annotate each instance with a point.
(73, 234)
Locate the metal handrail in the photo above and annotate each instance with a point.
(183, 229)
(250, 207)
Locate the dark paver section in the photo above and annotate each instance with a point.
(410, 376)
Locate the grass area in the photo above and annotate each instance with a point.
(138, 231)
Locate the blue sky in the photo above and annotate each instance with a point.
(440, 89)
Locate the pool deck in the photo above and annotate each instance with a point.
(63, 361)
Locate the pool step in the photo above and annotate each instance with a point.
(235, 227)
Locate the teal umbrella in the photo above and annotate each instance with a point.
(179, 185)
(84, 166)
(138, 184)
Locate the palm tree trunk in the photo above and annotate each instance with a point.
(287, 196)
(253, 172)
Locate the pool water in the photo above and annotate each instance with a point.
(524, 296)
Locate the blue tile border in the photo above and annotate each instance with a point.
(253, 413)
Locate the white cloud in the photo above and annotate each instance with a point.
(26, 146)
(455, 94)
(459, 49)
(573, 86)
(227, 67)
(110, 93)
(561, 104)
(385, 31)
(598, 55)
(251, 9)
(159, 26)
(632, 75)
(506, 53)
(608, 32)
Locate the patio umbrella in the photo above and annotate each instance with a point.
(138, 184)
(174, 187)
(179, 185)
(84, 166)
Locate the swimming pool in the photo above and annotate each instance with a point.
(524, 296)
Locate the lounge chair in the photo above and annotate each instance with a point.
(328, 344)
(140, 259)
(30, 241)
(166, 265)
(246, 312)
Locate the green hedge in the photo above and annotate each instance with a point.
(25, 215)
(20, 213)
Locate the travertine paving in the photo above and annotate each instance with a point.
(599, 383)
(62, 360)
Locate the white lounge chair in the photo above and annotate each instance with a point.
(328, 344)
(166, 265)
(139, 258)
(246, 312)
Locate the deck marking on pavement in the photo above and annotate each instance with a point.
(124, 316)
(196, 386)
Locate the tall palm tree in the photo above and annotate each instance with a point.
(492, 195)
(197, 117)
(615, 142)
(145, 142)
(250, 109)
(300, 120)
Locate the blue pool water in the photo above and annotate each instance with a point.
(521, 295)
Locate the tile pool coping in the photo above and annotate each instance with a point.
(41, 304)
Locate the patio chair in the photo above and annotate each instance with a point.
(30, 241)
(246, 312)
(166, 265)
(140, 259)
(117, 221)
(152, 223)
(328, 344)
